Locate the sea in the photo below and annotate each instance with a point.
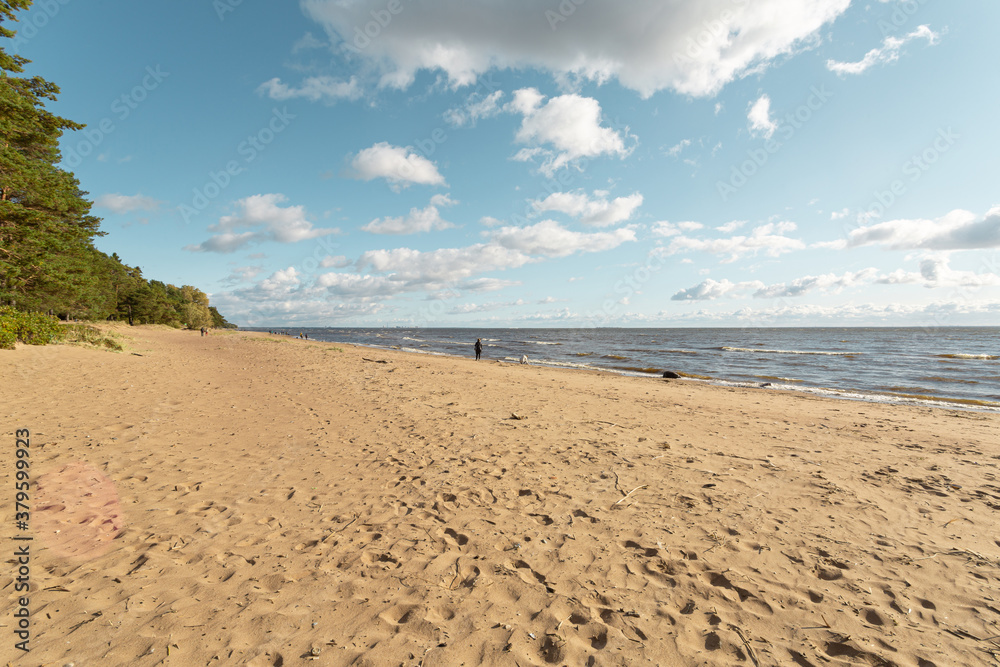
(953, 367)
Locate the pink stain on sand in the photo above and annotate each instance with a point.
(77, 512)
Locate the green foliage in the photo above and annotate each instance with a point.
(30, 328)
(48, 262)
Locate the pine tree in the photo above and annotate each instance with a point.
(46, 230)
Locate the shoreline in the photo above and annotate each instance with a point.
(858, 395)
(283, 498)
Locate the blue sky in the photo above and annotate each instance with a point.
(541, 163)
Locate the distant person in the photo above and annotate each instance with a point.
(479, 348)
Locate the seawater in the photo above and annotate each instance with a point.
(956, 367)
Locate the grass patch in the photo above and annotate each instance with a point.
(85, 334)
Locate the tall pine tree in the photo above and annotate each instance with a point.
(47, 257)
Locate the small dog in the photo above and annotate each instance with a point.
(524, 358)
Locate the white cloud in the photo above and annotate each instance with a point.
(760, 117)
(441, 266)
(829, 282)
(597, 211)
(693, 47)
(335, 262)
(935, 271)
(731, 227)
(957, 230)
(121, 204)
(419, 220)
(664, 228)
(548, 238)
(314, 88)
(676, 149)
(571, 124)
(887, 53)
(266, 220)
(400, 166)
(476, 107)
(408, 270)
(769, 238)
(711, 289)
(306, 42)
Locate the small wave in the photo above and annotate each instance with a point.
(680, 351)
(763, 351)
(908, 390)
(777, 378)
(988, 357)
(935, 378)
(635, 369)
(584, 354)
(614, 356)
(692, 375)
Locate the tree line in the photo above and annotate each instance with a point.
(48, 261)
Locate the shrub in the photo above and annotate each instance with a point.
(30, 328)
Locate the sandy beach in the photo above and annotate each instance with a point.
(245, 499)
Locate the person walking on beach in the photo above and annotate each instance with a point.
(479, 348)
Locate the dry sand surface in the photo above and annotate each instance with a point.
(246, 499)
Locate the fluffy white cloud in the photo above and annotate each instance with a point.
(664, 228)
(443, 265)
(690, 46)
(957, 230)
(596, 211)
(570, 124)
(335, 262)
(266, 220)
(887, 53)
(829, 281)
(548, 238)
(314, 88)
(711, 289)
(769, 239)
(419, 220)
(760, 117)
(120, 204)
(400, 166)
(937, 272)
(408, 270)
(731, 227)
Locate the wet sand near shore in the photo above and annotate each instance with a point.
(243, 499)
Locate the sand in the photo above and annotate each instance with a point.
(247, 499)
